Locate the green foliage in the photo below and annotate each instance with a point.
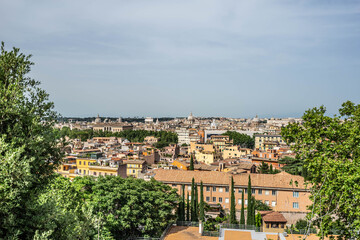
(265, 169)
(301, 224)
(193, 210)
(202, 206)
(243, 140)
(258, 220)
(330, 149)
(187, 208)
(249, 205)
(232, 203)
(242, 216)
(165, 137)
(28, 147)
(294, 166)
(191, 167)
(132, 207)
(260, 206)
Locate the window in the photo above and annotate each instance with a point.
(214, 199)
(295, 194)
(174, 185)
(208, 189)
(240, 190)
(226, 200)
(239, 201)
(189, 188)
(220, 199)
(79, 170)
(245, 201)
(79, 162)
(267, 192)
(221, 189)
(214, 189)
(245, 190)
(295, 205)
(273, 203)
(208, 199)
(260, 191)
(133, 171)
(94, 173)
(267, 202)
(252, 191)
(274, 192)
(227, 189)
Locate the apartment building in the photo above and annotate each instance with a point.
(274, 190)
(135, 167)
(265, 142)
(235, 152)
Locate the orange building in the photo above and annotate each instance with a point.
(272, 189)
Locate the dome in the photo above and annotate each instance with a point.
(213, 125)
(98, 119)
(191, 117)
(256, 119)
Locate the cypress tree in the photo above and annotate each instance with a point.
(192, 212)
(196, 203)
(181, 209)
(232, 203)
(253, 211)
(202, 211)
(191, 167)
(242, 217)
(188, 209)
(249, 207)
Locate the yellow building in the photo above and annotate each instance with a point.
(265, 141)
(235, 152)
(108, 168)
(68, 168)
(83, 165)
(134, 167)
(198, 147)
(207, 157)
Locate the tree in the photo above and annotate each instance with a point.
(187, 208)
(242, 216)
(193, 202)
(133, 207)
(196, 203)
(232, 203)
(258, 220)
(294, 166)
(202, 210)
(191, 167)
(243, 140)
(183, 204)
(29, 150)
(329, 148)
(263, 168)
(249, 206)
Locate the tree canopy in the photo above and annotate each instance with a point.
(241, 139)
(330, 149)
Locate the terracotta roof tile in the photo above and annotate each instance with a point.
(281, 180)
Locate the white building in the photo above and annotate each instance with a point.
(183, 136)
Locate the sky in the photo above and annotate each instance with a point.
(273, 58)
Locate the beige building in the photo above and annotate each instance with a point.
(274, 190)
(265, 142)
(235, 152)
(199, 147)
(151, 140)
(207, 157)
(111, 127)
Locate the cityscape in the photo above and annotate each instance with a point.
(179, 120)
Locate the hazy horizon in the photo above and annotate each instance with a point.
(167, 58)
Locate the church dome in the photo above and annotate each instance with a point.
(98, 119)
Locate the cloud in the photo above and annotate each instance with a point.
(222, 55)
